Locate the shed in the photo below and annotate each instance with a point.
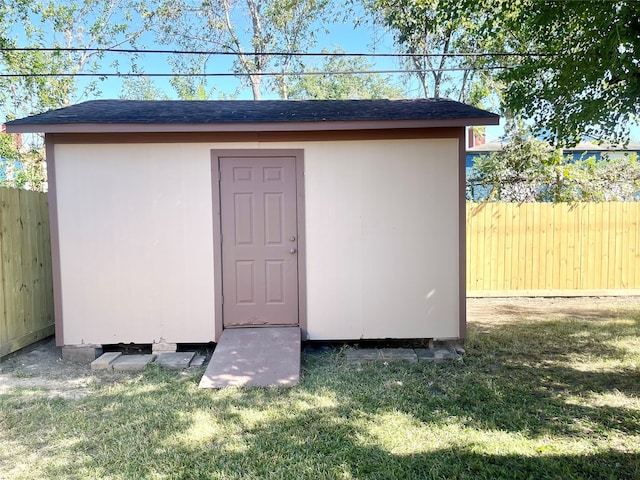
(174, 220)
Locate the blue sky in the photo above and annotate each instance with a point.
(364, 38)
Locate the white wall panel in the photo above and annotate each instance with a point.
(136, 250)
(382, 239)
(136, 237)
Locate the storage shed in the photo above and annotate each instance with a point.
(174, 220)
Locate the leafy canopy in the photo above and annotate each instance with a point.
(578, 69)
(530, 170)
(328, 86)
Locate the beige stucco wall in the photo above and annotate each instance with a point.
(136, 240)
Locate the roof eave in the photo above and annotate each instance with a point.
(246, 127)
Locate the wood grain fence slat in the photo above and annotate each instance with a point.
(553, 249)
(26, 292)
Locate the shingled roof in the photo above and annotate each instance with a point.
(239, 115)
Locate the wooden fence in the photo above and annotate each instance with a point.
(512, 249)
(553, 249)
(26, 292)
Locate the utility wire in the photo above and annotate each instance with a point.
(240, 74)
(271, 54)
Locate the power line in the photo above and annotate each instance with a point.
(241, 74)
(272, 54)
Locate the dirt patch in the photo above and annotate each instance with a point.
(40, 370)
(485, 311)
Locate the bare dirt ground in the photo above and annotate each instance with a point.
(39, 369)
(493, 311)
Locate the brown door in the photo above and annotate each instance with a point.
(259, 241)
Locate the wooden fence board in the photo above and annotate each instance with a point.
(26, 305)
(553, 249)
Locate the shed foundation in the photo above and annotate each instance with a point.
(81, 353)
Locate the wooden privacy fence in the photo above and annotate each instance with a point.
(26, 291)
(553, 249)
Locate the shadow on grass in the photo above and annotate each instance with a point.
(521, 389)
(284, 434)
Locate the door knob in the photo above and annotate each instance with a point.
(292, 251)
(292, 239)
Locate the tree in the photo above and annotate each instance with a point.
(609, 180)
(588, 80)
(434, 44)
(21, 166)
(81, 27)
(530, 170)
(327, 85)
(64, 24)
(574, 68)
(251, 30)
(141, 88)
(526, 170)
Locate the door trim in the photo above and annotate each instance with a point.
(298, 154)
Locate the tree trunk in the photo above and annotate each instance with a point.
(255, 80)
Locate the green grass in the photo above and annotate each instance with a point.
(533, 399)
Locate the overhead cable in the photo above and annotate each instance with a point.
(271, 54)
(242, 74)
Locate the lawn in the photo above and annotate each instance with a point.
(541, 398)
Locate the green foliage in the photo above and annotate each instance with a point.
(421, 29)
(583, 76)
(21, 167)
(530, 170)
(64, 24)
(141, 88)
(328, 86)
(48, 24)
(590, 80)
(8, 148)
(286, 26)
(615, 179)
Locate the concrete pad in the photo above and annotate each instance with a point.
(175, 360)
(360, 355)
(437, 354)
(260, 357)
(132, 363)
(393, 354)
(104, 361)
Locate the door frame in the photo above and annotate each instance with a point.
(298, 154)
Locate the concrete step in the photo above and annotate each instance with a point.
(260, 357)
(132, 363)
(116, 361)
(175, 360)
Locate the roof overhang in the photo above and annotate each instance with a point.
(247, 127)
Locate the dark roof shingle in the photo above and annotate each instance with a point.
(228, 112)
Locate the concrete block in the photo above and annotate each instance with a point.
(393, 354)
(360, 355)
(426, 354)
(104, 361)
(162, 347)
(175, 360)
(437, 354)
(81, 353)
(198, 361)
(132, 363)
